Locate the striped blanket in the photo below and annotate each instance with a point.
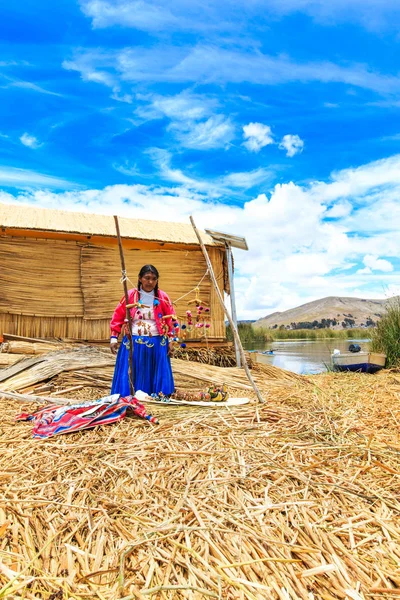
(55, 419)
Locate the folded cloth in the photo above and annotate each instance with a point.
(55, 419)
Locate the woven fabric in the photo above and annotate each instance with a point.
(55, 419)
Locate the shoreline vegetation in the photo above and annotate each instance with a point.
(386, 335)
(258, 335)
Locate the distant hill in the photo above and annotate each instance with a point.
(338, 308)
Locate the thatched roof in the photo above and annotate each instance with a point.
(18, 216)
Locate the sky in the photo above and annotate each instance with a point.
(276, 120)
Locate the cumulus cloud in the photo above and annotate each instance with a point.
(377, 264)
(295, 253)
(257, 135)
(293, 144)
(30, 140)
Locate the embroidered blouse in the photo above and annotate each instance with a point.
(162, 307)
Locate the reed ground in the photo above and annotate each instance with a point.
(296, 498)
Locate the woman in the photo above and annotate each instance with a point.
(153, 328)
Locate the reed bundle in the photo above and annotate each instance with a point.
(54, 363)
(219, 357)
(9, 359)
(97, 365)
(294, 499)
(19, 347)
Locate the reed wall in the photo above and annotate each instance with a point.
(68, 289)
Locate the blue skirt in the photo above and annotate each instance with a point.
(152, 371)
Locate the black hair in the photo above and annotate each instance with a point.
(148, 269)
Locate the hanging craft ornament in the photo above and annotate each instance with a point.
(198, 318)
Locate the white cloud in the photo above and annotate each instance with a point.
(134, 13)
(154, 16)
(23, 178)
(127, 169)
(377, 264)
(215, 132)
(212, 64)
(30, 140)
(94, 65)
(370, 13)
(339, 209)
(181, 107)
(293, 144)
(193, 120)
(257, 135)
(246, 179)
(29, 85)
(212, 188)
(295, 255)
(365, 271)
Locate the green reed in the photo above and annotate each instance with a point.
(250, 334)
(386, 335)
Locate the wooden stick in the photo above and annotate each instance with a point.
(22, 338)
(233, 327)
(128, 312)
(32, 398)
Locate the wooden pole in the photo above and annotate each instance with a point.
(231, 323)
(128, 312)
(232, 296)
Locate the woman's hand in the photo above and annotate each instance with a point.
(114, 348)
(171, 349)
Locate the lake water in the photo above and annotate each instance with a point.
(306, 356)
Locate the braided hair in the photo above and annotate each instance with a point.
(148, 269)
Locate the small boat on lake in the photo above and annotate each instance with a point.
(360, 362)
(263, 357)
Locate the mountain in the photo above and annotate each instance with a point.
(359, 310)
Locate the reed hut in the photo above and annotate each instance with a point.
(60, 271)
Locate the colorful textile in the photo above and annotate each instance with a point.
(152, 371)
(162, 307)
(55, 419)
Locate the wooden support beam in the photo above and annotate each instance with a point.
(233, 327)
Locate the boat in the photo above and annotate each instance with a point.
(359, 362)
(263, 357)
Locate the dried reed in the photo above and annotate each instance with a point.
(294, 499)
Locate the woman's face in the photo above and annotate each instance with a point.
(148, 281)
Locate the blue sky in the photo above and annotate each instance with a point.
(273, 119)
